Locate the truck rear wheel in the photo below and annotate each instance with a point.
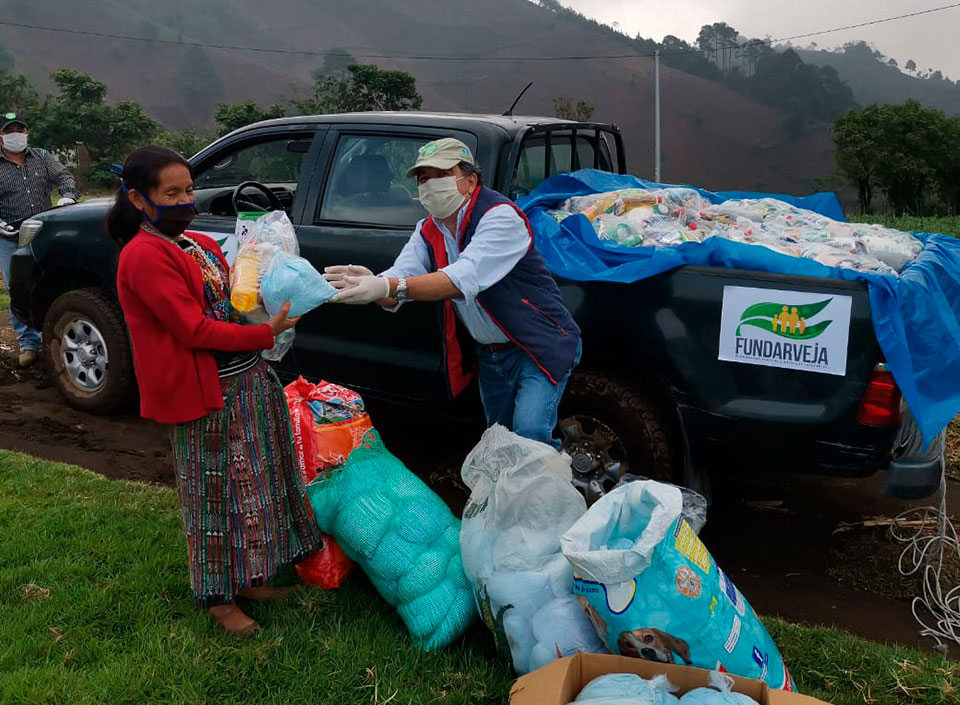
(611, 429)
(89, 351)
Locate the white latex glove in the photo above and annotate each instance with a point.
(66, 201)
(362, 290)
(7, 230)
(337, 274)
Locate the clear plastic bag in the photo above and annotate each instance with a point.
(694, 508)
(281, 343)
(270, 235)
(520, 504)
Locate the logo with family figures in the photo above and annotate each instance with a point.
(785, 320)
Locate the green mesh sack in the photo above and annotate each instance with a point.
(403, 536)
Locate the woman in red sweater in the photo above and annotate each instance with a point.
(200, 372)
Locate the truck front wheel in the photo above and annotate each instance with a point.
(611, 429)
(89, 351)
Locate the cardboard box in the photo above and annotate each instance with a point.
(558, 683)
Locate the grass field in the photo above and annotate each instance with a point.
(95, 608)
(948, 225)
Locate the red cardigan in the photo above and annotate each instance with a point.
(161, 292)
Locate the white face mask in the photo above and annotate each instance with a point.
(15, 142)
(441, 197)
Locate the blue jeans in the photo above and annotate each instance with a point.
(28, 337)
(518, 395)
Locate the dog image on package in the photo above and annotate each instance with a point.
(652, 590)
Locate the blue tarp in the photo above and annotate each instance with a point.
(916, 316)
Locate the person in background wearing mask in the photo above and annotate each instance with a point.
(242, 496)
(27, 177)
(501, 311)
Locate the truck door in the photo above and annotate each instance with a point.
(362, 210)
(279, 158)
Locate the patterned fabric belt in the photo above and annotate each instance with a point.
(238, 364)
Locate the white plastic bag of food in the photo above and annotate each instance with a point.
(521, 502)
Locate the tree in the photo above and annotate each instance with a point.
(19, 95)
(911, 65)
(233, 116)
(365, 87)
(187, 143)
(336, 64)
(681, 55)
(855, 137)
(907, 151)
(564, 109)
(80, 114)
(720, 39)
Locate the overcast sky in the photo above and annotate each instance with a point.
(930, 40)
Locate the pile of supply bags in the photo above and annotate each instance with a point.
(268, 271)
(403, 536)
(663, 217)
(521, 502)
(653, 591)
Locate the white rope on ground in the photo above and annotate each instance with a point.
(937, 611)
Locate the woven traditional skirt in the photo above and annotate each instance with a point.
(242, 498)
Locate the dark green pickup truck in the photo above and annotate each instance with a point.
(651, 397)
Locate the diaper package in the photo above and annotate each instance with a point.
(653, 591)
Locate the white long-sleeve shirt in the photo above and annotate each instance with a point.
(498, 244)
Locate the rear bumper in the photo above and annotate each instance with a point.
(843, 448)
(913, 478)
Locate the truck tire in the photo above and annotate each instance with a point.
(609, 429)
(89, 352)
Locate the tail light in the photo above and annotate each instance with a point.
(881, 400)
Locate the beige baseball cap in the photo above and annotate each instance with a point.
(442, 154)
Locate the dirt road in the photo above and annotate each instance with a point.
(772, 534)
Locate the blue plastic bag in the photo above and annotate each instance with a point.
(403, 536)
(720, 692)
(628, 689)
(664, 599)
(294, 279)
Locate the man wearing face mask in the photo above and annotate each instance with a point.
(501, 313)
(27, 177)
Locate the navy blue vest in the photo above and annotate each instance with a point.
(526, 304)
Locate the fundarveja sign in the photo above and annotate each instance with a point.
(788, 329)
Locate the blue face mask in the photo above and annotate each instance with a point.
(171, 220)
